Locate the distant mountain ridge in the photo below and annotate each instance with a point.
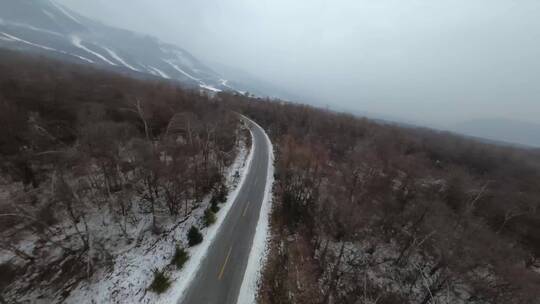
(500, 129)
(44, 26)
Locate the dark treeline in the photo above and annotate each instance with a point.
(371, 213)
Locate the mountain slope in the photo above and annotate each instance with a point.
(46, 27)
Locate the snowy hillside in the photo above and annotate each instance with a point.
(45, 26)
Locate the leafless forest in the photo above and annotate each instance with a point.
(372, 213)
(92, 163)
(363, 212)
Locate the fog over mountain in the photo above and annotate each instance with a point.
(436, 63)
(45, 27)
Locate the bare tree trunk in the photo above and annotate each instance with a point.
(141, 116)
(323, 253)
(333, 276)
(433, 290)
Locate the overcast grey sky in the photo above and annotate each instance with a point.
(432, 61)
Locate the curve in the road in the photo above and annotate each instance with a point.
(220, 276)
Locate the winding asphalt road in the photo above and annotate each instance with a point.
(220, 275)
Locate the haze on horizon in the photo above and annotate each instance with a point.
(433, 62)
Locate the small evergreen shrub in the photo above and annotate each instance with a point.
(180, 257)
(8, 273)
(214, 206)
(194, 236)
(161, 282)
(219, 195)
(209, 217)
(222, 194)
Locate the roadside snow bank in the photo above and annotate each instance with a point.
(128, 279)
(197, 253)
(257, 256)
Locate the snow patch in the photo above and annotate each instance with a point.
(49, 14)
(225, 83)
(210, 88)
(151, 71)
(65, 12)
(259, 249)
(16, 39)
(80, 57)
(178, 55)
(31, 27)
(5, 38)
(119, 59)
(181, 71)
(78, 43)
(158, 72)
(13, 38)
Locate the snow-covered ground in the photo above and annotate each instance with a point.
(79, 43)
(119, 59)
(65, 12)
(199, 252)
(257, 256)
(210, 88)
(176, 67)
(9, 37)
(158, 72)
(133, 267)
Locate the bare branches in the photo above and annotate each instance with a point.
(140, 112)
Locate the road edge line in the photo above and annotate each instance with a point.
(191, 271)
(259, 249)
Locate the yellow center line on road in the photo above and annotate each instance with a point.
(245, 209)
(224, 264)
